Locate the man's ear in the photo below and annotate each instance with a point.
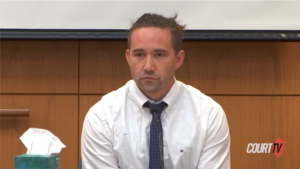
(127, 55)
(179, 59)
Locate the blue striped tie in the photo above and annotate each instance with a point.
(156, 135)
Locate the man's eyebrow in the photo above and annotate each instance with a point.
(155, 50)
(161, 50)
(138, 50)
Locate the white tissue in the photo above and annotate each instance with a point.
(41, 142)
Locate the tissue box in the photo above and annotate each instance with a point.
(26, 161)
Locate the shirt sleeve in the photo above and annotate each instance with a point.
(216, 151)
(96, 145)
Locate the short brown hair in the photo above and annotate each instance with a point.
(159, 21)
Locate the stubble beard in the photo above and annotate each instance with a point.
(149, 87)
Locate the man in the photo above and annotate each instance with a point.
(154, 120)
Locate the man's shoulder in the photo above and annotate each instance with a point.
(198, 96)
(103, 109)
(113, 98)
(206, 107)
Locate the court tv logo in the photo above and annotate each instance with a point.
(276, 148)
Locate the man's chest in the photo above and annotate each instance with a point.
(183, 139)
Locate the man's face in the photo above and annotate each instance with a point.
(152, 59)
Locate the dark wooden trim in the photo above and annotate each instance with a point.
(71, 34)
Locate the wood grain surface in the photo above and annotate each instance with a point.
(213, 67)
(103, 66)
(58, 114)
(262, 119)
(39, 67)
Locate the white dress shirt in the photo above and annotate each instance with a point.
(116, 131)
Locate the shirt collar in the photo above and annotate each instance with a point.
(140, 98)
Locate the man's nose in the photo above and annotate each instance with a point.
(149, 64)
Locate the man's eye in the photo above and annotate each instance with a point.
(138, 54)
(159, 54)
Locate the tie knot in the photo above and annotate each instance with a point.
(157, 108)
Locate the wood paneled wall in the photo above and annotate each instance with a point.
(257, 84)
(39, 67)
(41, 76)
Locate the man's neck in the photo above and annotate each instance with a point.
(157, 96)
